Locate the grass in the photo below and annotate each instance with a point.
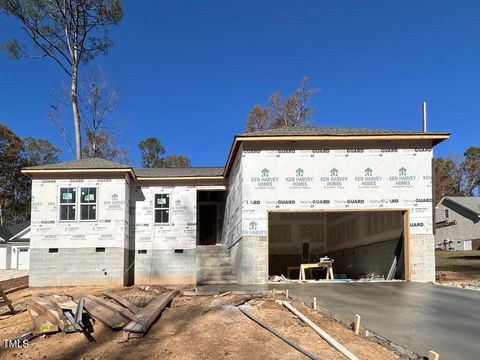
(458, 261)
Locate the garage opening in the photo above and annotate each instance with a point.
(362, 244)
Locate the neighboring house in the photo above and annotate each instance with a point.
(15, 247)
(457, 223)
(363, 197)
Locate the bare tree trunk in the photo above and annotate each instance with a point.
(76, 114)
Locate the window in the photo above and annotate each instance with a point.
(88, 203)
(67, 204)
(162, 206)
(447, 213)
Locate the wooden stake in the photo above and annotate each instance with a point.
(286, 294)
(432, 355)
(357, 324)
(314, 303)
(367, 333)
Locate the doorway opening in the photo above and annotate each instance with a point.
(210, 208)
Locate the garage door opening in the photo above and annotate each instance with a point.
(362, 244)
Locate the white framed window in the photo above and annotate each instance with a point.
(88, 203)
(162, 208)
(446, 213)
(68, 201)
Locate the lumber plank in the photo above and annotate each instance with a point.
(323, 334)
(105, 315)
(41, 325)
(112, 306)
(53, 314)
(144, 319)
(122, 301)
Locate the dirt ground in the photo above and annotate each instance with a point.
(458, 268)
(194, 327)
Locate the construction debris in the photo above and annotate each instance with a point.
(4, 301)
(142, 321)
(122, 301)
(108, 317)
(323, 334)
(277, 334)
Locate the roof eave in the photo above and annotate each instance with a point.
(177, 178)
(30, 172)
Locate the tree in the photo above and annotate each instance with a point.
(470, 169)
(39, 152)
(70, 32)
(153, 152)
(16, 153)
(10, 165)
(97, 102)
(291, 112)
(103, 145)
(447, 179)
(176, 161)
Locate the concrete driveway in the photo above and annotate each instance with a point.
(418, 317)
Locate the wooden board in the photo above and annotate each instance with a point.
(144, 319)
(105, 315)
(112, 306)
(122, 301)
(41, 325)
(52, 313)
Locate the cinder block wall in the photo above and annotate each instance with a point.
(165, 267)
(250, 256)
(422, 258)
(77, 266)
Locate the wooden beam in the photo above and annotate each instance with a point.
(112, 306)
(323, 334)
(105, 315)
(144, 319)
(41, 325)
(122, 301)
(50, 311)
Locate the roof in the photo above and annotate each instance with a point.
(179, 172)
(4, 233)
(332, 131)
(470, 203)
(15, 229)
(284, 134)
(91, 163)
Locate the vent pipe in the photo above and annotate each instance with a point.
(424, 116)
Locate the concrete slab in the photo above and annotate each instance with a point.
(419, 317)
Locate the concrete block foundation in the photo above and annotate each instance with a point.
(250, 259)
(77, 266)
(165, 267)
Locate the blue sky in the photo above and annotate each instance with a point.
(189, 72)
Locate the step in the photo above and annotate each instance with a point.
(215, 262)
(217, 277)
(217, 282)
(213, 249)
(206, 274)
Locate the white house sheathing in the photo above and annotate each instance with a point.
(303, 178)
(124, 245)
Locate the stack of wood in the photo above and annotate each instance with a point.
(61, 313)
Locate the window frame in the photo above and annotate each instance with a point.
(80, 203)
(167, 209)
(60, 204)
